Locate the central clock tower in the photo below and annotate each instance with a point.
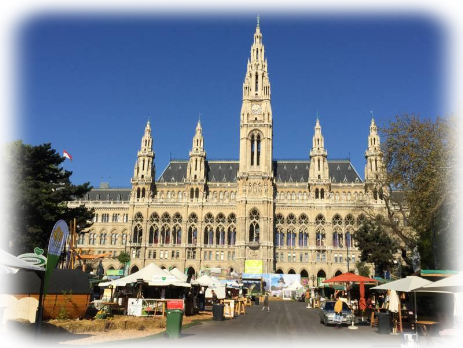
(255, 176)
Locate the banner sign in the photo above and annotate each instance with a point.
(166, 278)
(36, 258)
(175, 304)
(253, 266)
(115, 272)
(58, 237)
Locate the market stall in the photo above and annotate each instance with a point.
(147, 291)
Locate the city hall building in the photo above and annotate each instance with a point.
(294, 216)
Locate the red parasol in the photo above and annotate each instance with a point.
(351, 277)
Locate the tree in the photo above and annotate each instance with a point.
(40, 190)
(362, 268)
(424, 159)
(376, 245)
(123, 258)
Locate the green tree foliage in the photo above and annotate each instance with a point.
(375, 244)
(123, 257)
(362, 268)
(419, 156)
(40, 190)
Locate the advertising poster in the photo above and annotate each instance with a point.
(280, 282)
(253, 266)
(58, 237)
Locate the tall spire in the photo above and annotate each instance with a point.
(144, 170)
(318, 156)
(256, 83)
(373, 154)
(196, 164)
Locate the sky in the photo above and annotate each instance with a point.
(89, 84)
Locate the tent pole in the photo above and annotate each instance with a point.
(416, 316)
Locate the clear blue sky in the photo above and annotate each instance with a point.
(89, 84)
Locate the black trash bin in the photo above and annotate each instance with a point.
(217, 312)
(384, 323)
(256, 300)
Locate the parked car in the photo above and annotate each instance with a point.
(327, 313)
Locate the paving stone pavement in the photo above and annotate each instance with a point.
(288, 324)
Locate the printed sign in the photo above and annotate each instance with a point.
(115, 272)
(175, 304)
(58, 237)
(36, 258)
(166, 278)
(253, 266)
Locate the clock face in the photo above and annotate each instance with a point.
(256, 109)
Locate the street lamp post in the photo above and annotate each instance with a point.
(313, 280)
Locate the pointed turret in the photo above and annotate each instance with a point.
(144, 169)
(256, 133)
(318, 157)
(196, 165)
(373, 155)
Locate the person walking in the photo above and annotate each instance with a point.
(266, 303)
(338, 312)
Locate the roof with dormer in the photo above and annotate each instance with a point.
(341, 171)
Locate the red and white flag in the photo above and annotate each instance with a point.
(67, 155)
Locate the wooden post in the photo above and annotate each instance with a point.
(400, 316)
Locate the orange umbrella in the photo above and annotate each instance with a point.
(351, 277)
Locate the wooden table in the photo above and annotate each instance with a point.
(422, 324)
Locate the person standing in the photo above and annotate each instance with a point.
(215, 300)
(266, 303)
(338, 312)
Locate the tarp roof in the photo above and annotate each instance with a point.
(206, 280)
(407, 284)
(151, 274)
(12, 264)
(451, 284)
(25, 282)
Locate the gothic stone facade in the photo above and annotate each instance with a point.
(295, 216)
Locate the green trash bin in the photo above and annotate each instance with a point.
(174, 323)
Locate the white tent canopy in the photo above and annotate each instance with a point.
(152, 274)
(209, 281)
(295, 286)
(407, 284)
(10, 264)
(450, 284)
(182, 276)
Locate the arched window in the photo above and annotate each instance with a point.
(303, 237)
(197, 193)
(231, 236)
(209, 218)
(220, 219)
(303, 219)
(165, 219)
(254, 230)
(192, 235)
(291, 219)
(113, 238)
(220, 236)
(252, 149)
(279, 236)
(208, 235)
(177, 234)
(137, 234)
(124, 239)
(322, 194)
(138, 217)
(165, 234)
(291, 237)
(258, 149)
(138, 192)
(154, 235)
(317, 194)
(143, 192)
(192, 193)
